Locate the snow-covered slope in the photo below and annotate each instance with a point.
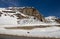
(37, 32)
(51, 19)
(8, 17)
(7, 20)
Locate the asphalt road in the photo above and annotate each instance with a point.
(21, 37)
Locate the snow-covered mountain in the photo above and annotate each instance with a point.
(15, 20)
(24, 16)
(12, 16)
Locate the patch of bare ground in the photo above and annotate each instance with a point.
(26, 27)
(58, 26)
(4, 36)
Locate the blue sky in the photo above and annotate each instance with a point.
(45, 7)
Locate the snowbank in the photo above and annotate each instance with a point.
(37, 32)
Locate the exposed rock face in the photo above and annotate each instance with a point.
(32, 12)
(58, 20)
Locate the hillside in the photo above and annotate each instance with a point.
(23, 16)
(28, 22)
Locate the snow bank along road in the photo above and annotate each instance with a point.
(36, 32)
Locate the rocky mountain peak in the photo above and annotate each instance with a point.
(20, 11)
